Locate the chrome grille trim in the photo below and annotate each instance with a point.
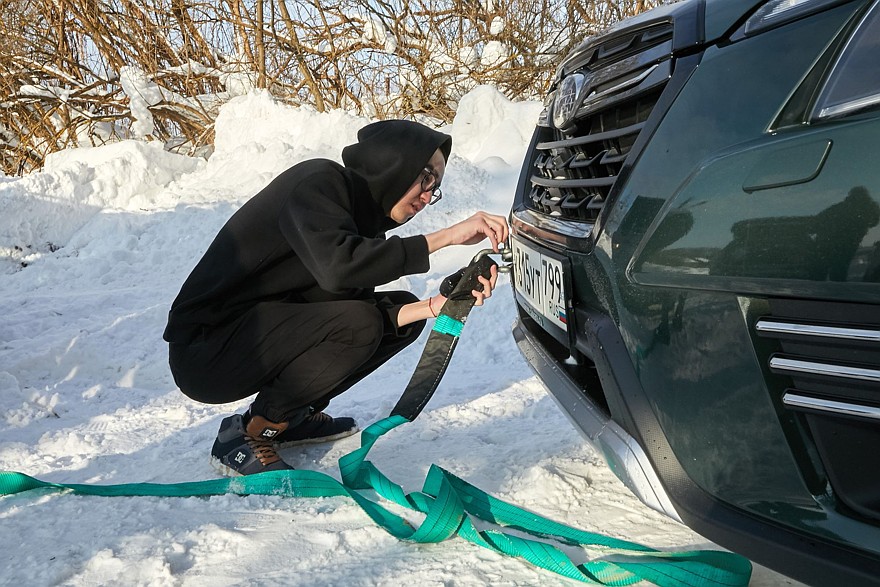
(793, 400)
(572, 183)
(796, 366)
(790, 328)
(621, 86)
(567, 228)
(593, 138)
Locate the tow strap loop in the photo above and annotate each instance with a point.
(450, 506)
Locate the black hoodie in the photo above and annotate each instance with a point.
(315, 234)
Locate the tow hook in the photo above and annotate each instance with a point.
(506, 254)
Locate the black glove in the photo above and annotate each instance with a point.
(449, 287)
(450, 281)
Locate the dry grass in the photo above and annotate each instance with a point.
(61, 61)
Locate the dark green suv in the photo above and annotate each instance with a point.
(696, 240)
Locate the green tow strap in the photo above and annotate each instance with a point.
(449, 504)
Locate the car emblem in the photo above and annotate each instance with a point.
(567, 100)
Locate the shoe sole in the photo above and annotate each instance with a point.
(228, 471)
(318, 440)
(224, 470)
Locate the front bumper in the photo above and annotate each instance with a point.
(623, 454)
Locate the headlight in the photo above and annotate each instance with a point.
(779, 12)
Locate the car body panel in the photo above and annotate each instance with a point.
(722, 15)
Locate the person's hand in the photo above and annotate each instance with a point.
(478, 227)
(488, 286)
(436, 302)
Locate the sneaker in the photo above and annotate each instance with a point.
(316, 427)
(246, 450)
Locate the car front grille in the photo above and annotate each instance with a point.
(574, 168)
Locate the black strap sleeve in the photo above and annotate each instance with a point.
(441, 342)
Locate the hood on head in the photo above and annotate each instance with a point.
(390, 154)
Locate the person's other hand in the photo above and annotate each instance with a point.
(488, 286)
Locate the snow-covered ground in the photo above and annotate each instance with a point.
(93, 250)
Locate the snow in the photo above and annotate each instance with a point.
(494, 53)
(93, 250)
(497, 26)
(374, 32)
(142, 93)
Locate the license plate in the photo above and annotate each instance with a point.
(540, 282)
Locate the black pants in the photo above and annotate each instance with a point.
(294, 356)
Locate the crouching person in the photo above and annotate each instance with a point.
(283, 303)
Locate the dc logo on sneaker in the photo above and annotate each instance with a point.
(268, 432)
(240, 457)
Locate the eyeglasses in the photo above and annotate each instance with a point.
(431, 183)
